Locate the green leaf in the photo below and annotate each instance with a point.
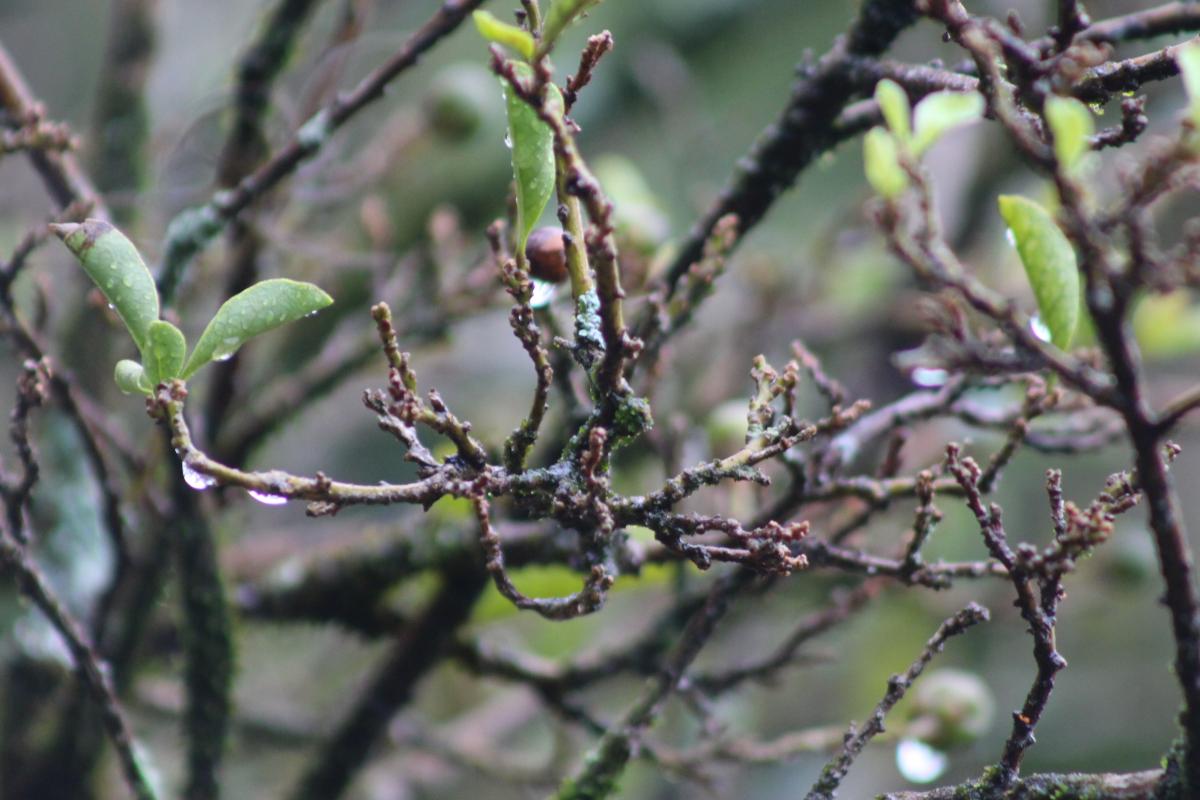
(164, 353)
(561, 14)
(1188, 58)
(1072, 125)
(532, 143)
(893, 103)
(881, 161)
(504, 33)
(131, 378)
(260, 308)
(937, 113)
(113, 263)
(1049, 263)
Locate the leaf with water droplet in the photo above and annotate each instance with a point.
(532, 154)
(239, 318)
(164, 353)
(115, 265)
(1072, 125)
(503, 33)
(939, 112)
(1049, 262)
(131, 378)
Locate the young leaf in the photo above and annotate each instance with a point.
(532, 156)
(893, 103)
(504, 33)
(165, 349)
(1049, 263)
(260, 308)
(937, 113)
(131, 378)
(560, 15)
(881, 161)
(1188, 58)
(115, 266)
(1072, 125)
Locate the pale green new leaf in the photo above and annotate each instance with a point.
(1049, 263)
(1072, 125)
(504, 33)
(115, 265)
(939, 112)
(260, 308)
(893, 104)
(532, 144)
(881, 162)
(560, 15)
(1188, 58)
(164, 353)
(131, 378)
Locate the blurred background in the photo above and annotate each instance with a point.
(407, 189)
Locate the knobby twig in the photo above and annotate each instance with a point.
(857, 738)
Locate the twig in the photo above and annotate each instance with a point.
(1102, 786)
(60, 172)
(245, 147)
(122, 121)
(608, 759)
(192, 230)
(802, 132)
(92, 672)
(597, 47)
(857, 738)
(416, 650)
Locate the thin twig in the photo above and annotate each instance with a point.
(857, 738)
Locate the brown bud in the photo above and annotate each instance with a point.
(547, 255)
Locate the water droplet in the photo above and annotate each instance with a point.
(1039, 328)
(508, 141)
(929, 377)
(267, 499)
(226, 349)
(128, 282)
(543, 293)
(196, 479)
(1010, 236)
(111, 307)
(918, 762)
